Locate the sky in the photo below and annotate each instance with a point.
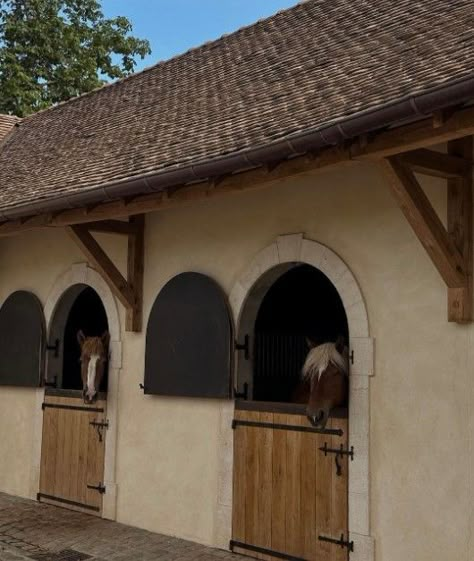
(174, 26)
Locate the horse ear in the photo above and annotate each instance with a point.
(340, 344)
(105, 339)
(311, 344)
(81, 337)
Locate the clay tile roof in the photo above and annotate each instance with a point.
(305, 67)
(6, 124)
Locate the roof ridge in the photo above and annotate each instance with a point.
(160, 63)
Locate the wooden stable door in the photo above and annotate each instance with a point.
(72, 457)
(287, 492)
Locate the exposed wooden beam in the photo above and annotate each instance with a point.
(101, 261)
(460, 230)
(119, 227)
(436, 164)
(373, 147)
(416, 135)
(426, 223)
(135, 264)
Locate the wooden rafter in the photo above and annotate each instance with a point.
(128, 290)
(436, 164)
(120, 227)
(450, 249)
(403, 139)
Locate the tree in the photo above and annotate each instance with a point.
(52, 50)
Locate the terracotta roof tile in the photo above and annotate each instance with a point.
(6, 124)
(302, 68)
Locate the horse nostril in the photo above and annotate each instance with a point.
(316, 419)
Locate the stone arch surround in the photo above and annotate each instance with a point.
(291, 249)
(83, 274)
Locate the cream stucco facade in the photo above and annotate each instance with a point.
(169, 451)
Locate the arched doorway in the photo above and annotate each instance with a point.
(290, 497)
(245, 299)
(74, 432)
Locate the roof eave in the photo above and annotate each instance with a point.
(410, 108)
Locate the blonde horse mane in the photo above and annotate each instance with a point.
(320, 357)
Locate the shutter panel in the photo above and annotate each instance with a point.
(21, 340)
(188, 340)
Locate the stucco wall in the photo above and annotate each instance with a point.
(422, 394)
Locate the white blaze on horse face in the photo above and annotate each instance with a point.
(91, 374)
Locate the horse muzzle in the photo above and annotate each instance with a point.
(319, 419)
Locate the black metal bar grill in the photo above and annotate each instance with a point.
(276, 426)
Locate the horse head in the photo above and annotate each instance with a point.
(326, 372)
(94, 355)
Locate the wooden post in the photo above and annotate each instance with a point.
(460, 230)
(135, 269)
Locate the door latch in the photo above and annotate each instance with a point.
(340, 453)
(99, 426)
(100, 488)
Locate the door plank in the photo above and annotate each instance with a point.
(308, 496)
(279, 485)
(264, 485)
(294, 538)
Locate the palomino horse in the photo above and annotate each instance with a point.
(94, 355)
(324, 384)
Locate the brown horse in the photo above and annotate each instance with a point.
(94, 355)
(324, 384)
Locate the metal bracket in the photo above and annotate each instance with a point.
(54, 348)
(245, 346)
(244, 394)
(53, 384)
(100, 488)
(340, 452)
(341, 542)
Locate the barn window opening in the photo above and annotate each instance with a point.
(80, 308)
(87, 314)
(302, 304)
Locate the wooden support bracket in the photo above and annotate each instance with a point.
(129, 291)
(460, 229)
(450, 249)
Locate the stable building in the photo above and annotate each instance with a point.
(309, 176)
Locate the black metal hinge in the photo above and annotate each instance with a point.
(100, 488)
(54, 348)
(340, 452)
(53, 383)
(244, 394)
(340, 542)
(245, 346)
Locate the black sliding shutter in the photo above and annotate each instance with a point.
(188, 340)
(21, 340)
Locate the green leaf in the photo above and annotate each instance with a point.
(52, 50)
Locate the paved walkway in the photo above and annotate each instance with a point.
(33, 531)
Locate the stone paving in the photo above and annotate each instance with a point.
(39, 532)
